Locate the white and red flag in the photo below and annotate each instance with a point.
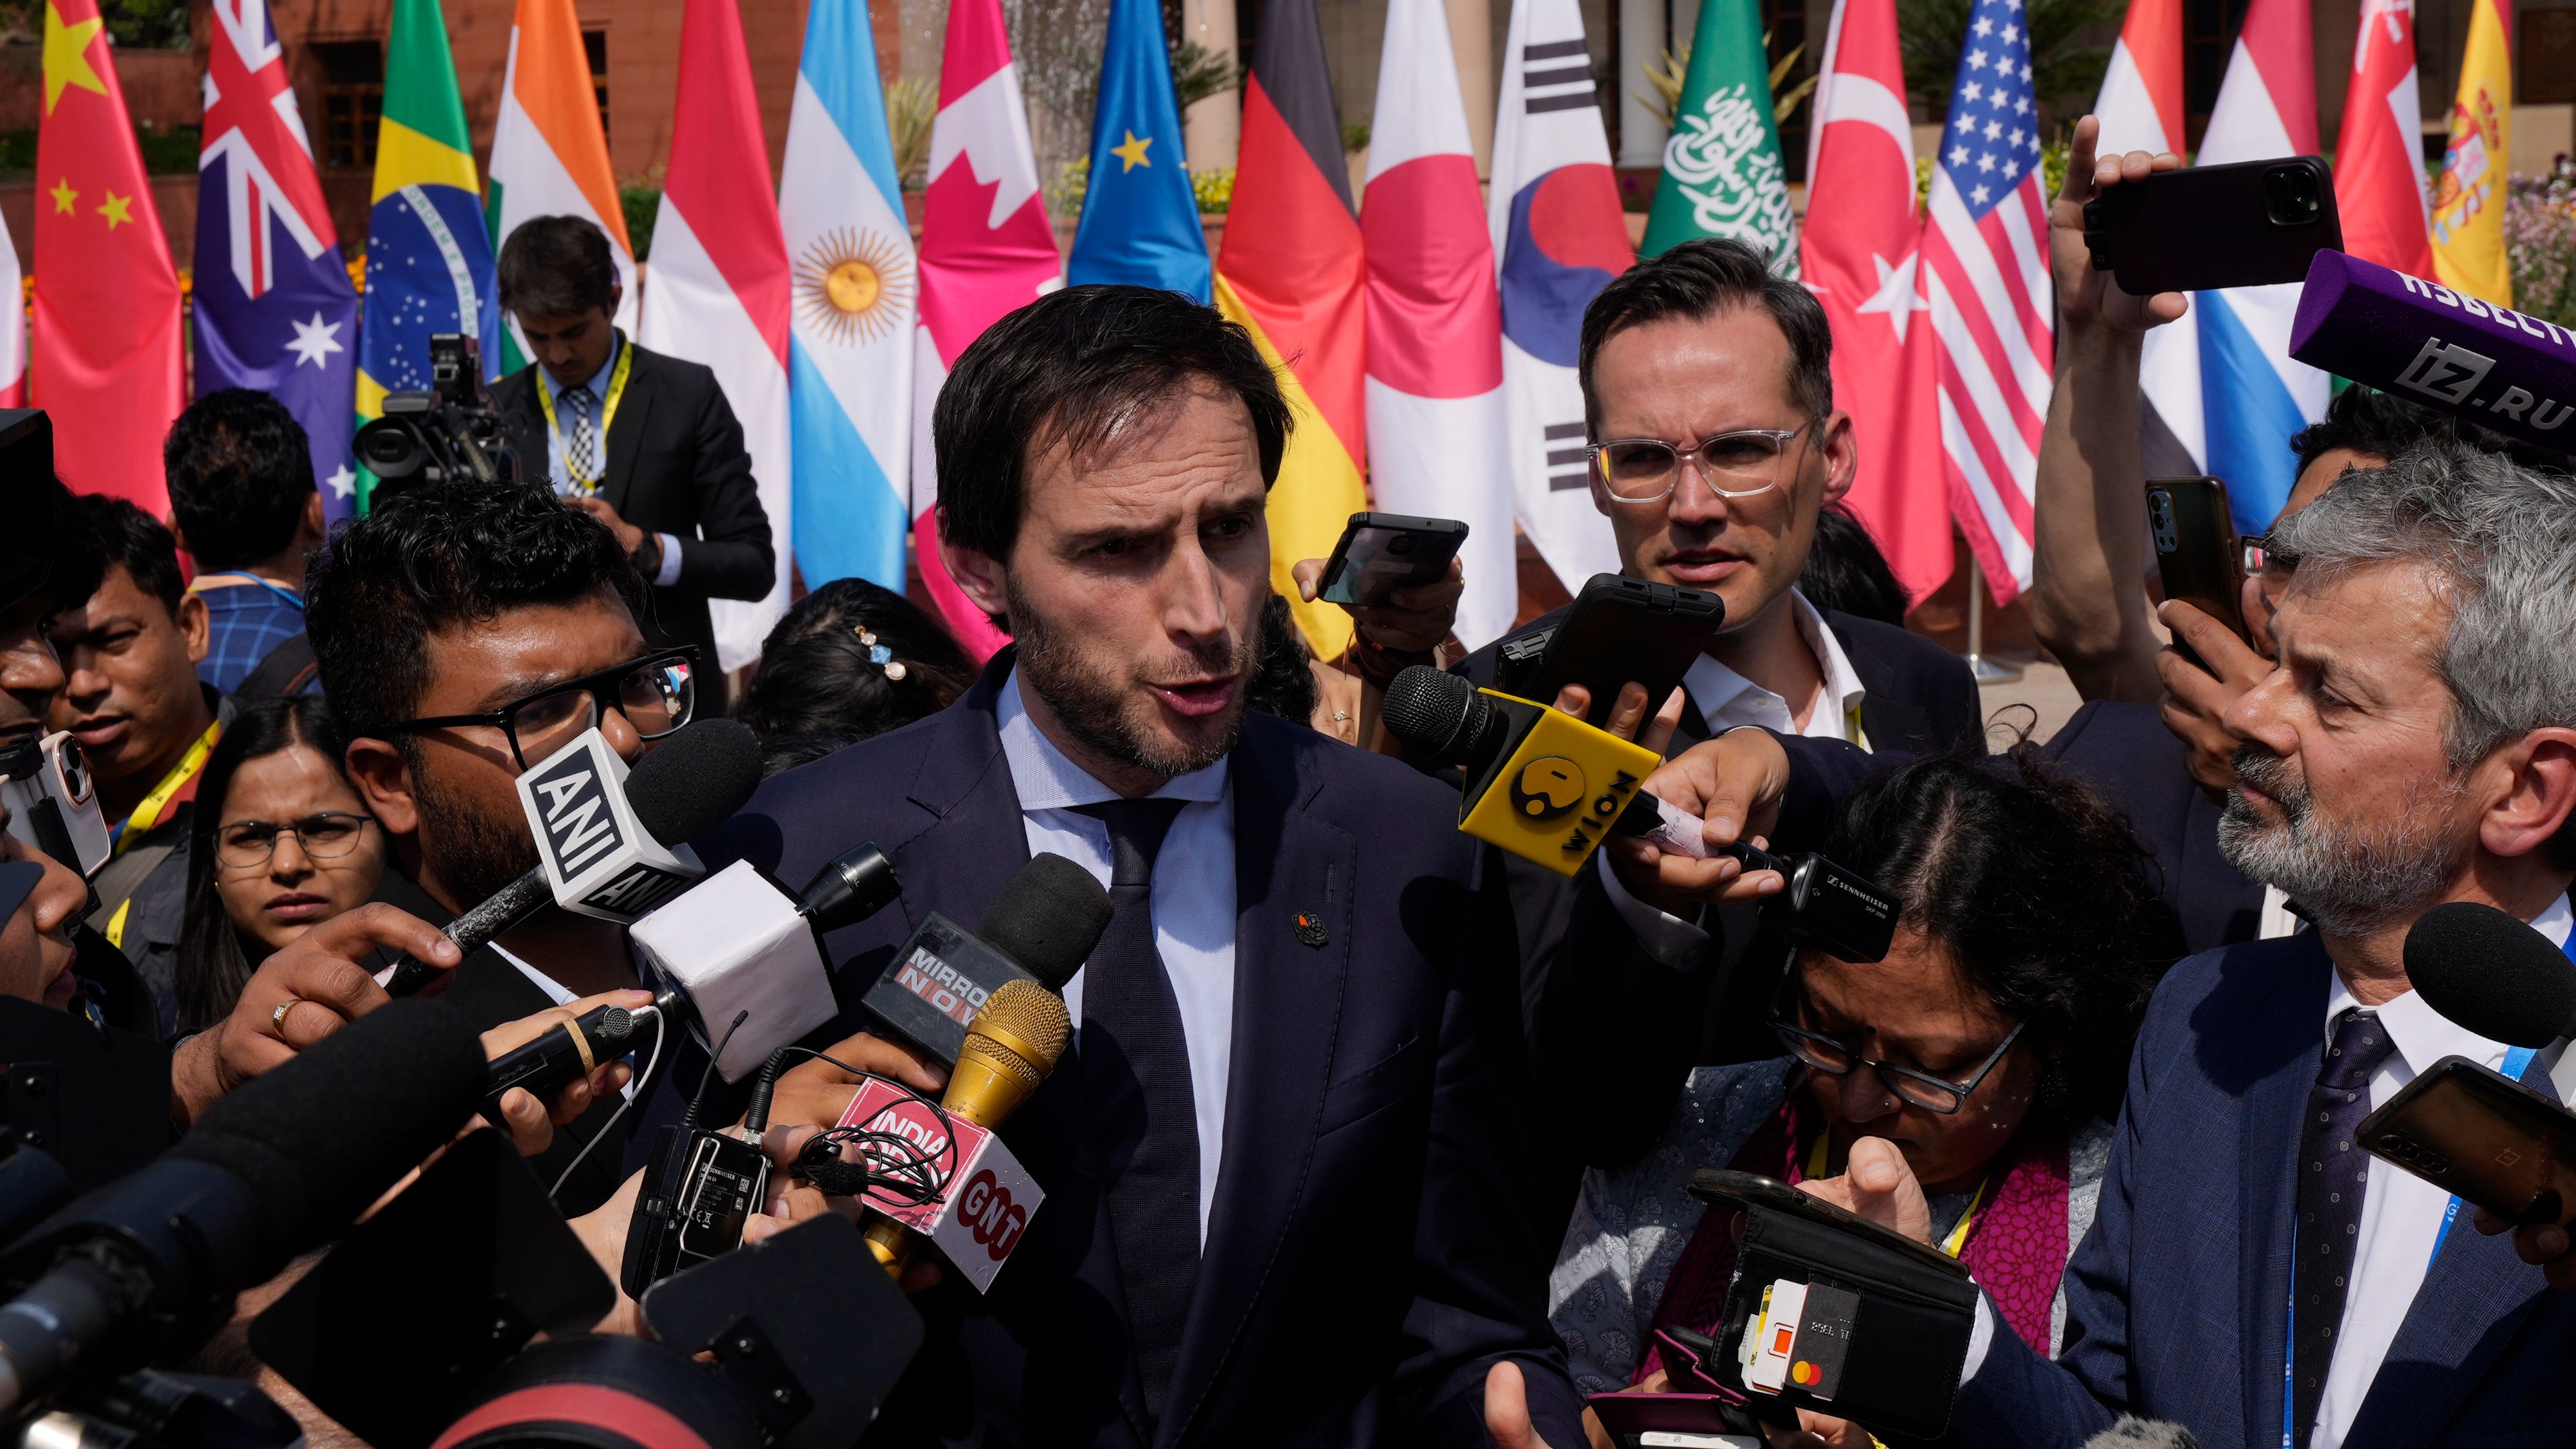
(2141, 110)
(986, 248)
(2379, 157)
(1436, 421)
(1986, 282)
(13, 326)
(718, 289)
(1858, 253)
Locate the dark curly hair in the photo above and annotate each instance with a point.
(2036, 888)
(435, 556)
(816, 679)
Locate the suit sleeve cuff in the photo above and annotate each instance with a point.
(670, 572)
(1667, 938)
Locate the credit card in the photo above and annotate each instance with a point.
(1823, 1340)
(1783, 1314)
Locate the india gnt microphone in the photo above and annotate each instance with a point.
(2423, 341)
(1549, 787)
(610, 840)
(148, 1265)
(2484, 970)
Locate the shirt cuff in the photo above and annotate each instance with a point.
(1980, 1338)
(670, 572)
(1666, 937)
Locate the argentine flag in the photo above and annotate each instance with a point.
(855, 291)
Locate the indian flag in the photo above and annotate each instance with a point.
(549, 152)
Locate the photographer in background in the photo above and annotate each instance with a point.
(132, 699)
(244, 508)
(644, 443)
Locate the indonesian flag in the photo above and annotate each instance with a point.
(2379, 164)
(1858, 252)
(13, 326)
(1436, 423)
(986, 249)
(719, 284)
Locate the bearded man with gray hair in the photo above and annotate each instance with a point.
(2251, 1272)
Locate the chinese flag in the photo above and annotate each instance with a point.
(106, 359)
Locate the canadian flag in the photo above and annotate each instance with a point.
(1436, 419)
(986, 248)
(718, 289)
(2379, 158)
(1857, 252)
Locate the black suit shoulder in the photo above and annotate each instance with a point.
(1900, 666)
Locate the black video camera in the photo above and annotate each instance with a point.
(449, 433)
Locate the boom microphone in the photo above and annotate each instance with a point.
(148, 1265)
(2422, 340)
(2485, 971)
(1549, 788)
(610, 840)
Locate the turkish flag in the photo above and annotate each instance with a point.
(106, 359)
(1857, 251)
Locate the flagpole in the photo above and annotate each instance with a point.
(1985, 670)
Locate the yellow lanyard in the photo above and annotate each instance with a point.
(578, 473)
(148, 814)
(1955, 1243)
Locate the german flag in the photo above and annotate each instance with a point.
(1291, 272)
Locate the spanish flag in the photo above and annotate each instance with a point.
(2468, 206)
(1291, 272)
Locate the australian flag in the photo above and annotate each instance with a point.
(275, 309)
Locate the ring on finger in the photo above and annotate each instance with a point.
(277, 1018)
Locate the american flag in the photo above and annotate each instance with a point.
(1986, 284)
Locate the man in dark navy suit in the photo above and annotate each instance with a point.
(1274, 1208)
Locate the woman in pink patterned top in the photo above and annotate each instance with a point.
(1990, 1046)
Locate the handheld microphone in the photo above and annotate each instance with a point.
(2487, 972)
(148, 1265)
(1039, 929)
(1550, 788)
(567, 1050)
(2419, 339)
(610, 840)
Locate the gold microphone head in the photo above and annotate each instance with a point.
(1016, 1040)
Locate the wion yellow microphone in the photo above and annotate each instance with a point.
(1550, 788)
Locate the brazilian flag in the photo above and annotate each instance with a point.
(429, 259)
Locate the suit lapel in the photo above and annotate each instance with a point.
(1287, 1015)
(2287, 1029)
(1888, 718)
(626, 431)
(2473, 1301)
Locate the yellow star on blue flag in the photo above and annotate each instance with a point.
(1140, 229)
(1133, 152)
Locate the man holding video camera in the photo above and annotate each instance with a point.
(642, 442)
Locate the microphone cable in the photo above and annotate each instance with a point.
(891, 1166)
(642, 1084)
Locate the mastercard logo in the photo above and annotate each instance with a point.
(1548, 788)
(1805, 1374)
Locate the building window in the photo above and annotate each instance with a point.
(594, 47)
(353, 100)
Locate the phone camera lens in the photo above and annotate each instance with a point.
(2291, 197)
(1400, 545)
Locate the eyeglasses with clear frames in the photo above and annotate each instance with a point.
(247, 844)
(1741, 464)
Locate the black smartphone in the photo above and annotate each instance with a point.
(2206, 227)
(2197, 554)
(1623, 629)
(1383, 552)
(2483, 1137)
(1713, 1185)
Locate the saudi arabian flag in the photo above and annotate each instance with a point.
(1723, 175)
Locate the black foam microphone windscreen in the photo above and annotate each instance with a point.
(2484, 970)
(326, 1134)
(1047, 919)
(693, 780)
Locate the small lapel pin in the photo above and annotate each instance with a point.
(1310, 929)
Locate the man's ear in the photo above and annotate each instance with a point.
(2539, 794)
(178, 535)
(313, 527)
(979, 574)
(383, 779)
(1840, 447)
(195, 626)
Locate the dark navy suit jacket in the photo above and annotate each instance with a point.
(1363, 1267)
(2176, 1299)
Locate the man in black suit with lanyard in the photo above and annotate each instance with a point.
(644, 443)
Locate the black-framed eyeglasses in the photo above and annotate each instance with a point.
(2260, 554)
(328, 835)
(656, 693)
(1824, 1054)
(1741, 464)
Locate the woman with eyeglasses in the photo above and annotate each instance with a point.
(282, 844)
(1989, 1046)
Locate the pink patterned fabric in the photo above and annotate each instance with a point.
(2017, 1246)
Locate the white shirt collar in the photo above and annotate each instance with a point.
(1726, 698)
(1048, 779)
(2424, 1036)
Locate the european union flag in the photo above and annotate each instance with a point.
(1140, 218)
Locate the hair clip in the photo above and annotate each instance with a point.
(878, 654)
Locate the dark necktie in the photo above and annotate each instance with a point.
(1144, 1119)
(2332, 1174)
(579, 470)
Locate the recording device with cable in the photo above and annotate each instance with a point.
(610, 840)
(1550, 788)
(450, 432)
(53, 800)
(2446, 349)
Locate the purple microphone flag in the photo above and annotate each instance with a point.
(2421, 340)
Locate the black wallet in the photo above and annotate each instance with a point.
(1901, 1348)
